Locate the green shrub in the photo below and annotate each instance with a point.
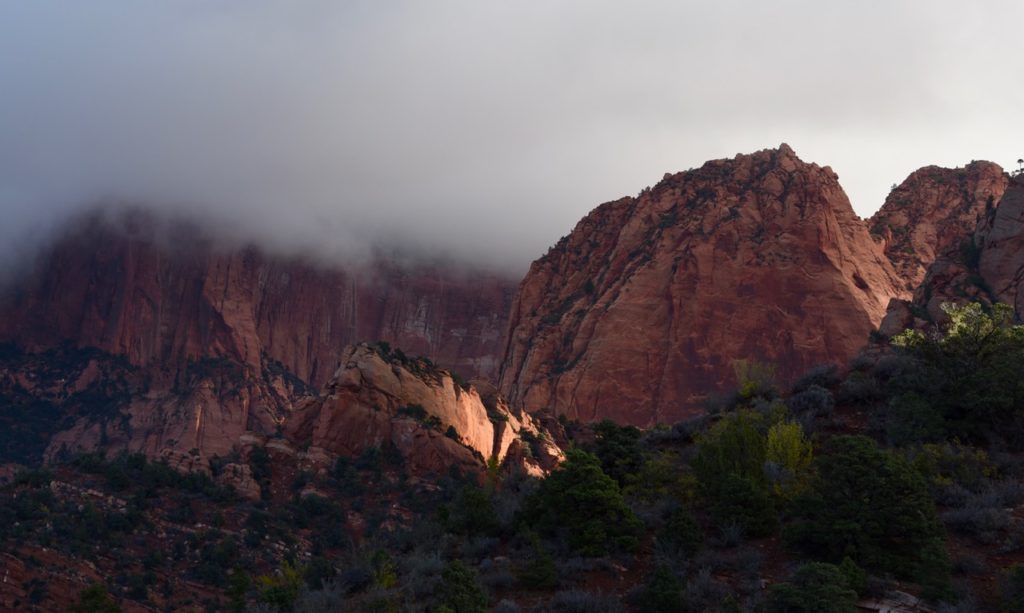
(870, 505)
(661, 477)
(738, 502)
(814, 588)
(280, 590)
(472, 512)
(682, 533)
(736, 445)
(970, 375)
(1011, 589)
(460, 591)
(618, 448)
(755, 379)
(764, 451)
(663, 592)
(788, 455)
(856, 577)
(912, 419)
(539, 572)
(581, 502)
(95, 599)
(947, 464)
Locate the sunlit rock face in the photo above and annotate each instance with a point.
(643, 309)
(378, 397)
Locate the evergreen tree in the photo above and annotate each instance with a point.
(871, 505)
(585, 505)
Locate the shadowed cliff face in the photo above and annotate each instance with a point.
(987, 266)
(999, 243)
(933, 210)
(641, 311)
(162, 296)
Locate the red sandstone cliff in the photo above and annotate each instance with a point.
(208, 344)
(999, 243)
(162, 294)
(432, 420)
(987, 267)
(642, 310)
(933, 210)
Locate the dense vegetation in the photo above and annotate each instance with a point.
(905, 473)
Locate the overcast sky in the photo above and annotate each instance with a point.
(483, 128)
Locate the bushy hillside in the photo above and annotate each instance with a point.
(900, 479)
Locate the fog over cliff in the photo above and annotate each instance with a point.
(484, 130)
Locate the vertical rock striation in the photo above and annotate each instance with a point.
(642, 310)
(162, 294)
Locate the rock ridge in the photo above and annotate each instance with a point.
(932, 211)
(987, 266)
(640, 312)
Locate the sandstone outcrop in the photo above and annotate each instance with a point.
(140, 334)
(642, 310)
(380, 396)
(68, 400)
(932, 211)
(987, 267)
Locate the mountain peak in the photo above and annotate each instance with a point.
(640, 312)
(932, 210)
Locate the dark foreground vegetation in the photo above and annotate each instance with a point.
(906, 474)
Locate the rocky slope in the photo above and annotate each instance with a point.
(933, 210)
(69, 398)
(141, 334)
(380, 395)
(69, 401)
(987, 267)
(642, 310)
(159, 292)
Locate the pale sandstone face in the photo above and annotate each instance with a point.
(367, 404)
(641, 311)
